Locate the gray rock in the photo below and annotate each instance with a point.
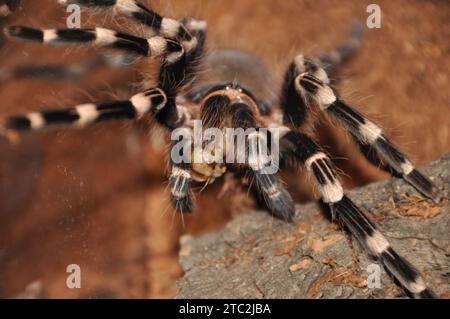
(256, 256)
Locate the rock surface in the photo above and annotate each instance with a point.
(256, 256)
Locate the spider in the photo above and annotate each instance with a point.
(182, 95)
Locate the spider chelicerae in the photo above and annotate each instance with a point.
(226, 99)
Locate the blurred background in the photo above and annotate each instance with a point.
(97, 197)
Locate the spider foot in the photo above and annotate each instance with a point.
(424, 186)
(378, 246)
(277, 198)
(282, 206)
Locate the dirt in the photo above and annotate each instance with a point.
(97, 197)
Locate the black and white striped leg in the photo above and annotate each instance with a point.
(172, 73)
(378, 246)
(65, 72)
(101, 37)
(180, 188)
(151, 101)
(180, 175)
(49, 71)
(197, 28)
(367, 133)
(301, 148)
(294, 104)
(166, 27)
(276, 197)
(307, 152)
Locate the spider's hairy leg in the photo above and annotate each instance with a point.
(303, 149)
(180, 175)
(277, 198)
(316, 66)
(151, 101)
(166, 27)
(194, 54)
(176, 72)
(367, 133)
(66, 72)
(293, 104)
(100, 37)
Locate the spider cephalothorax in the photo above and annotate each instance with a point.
(226, 98)
(212, 104)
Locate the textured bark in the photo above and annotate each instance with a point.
(256, 256)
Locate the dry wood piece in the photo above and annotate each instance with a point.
(256, 256)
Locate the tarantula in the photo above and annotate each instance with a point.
(183, 95)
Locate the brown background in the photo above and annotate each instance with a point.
(97, 197)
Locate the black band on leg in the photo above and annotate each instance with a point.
(366, 132)
(151, 101)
